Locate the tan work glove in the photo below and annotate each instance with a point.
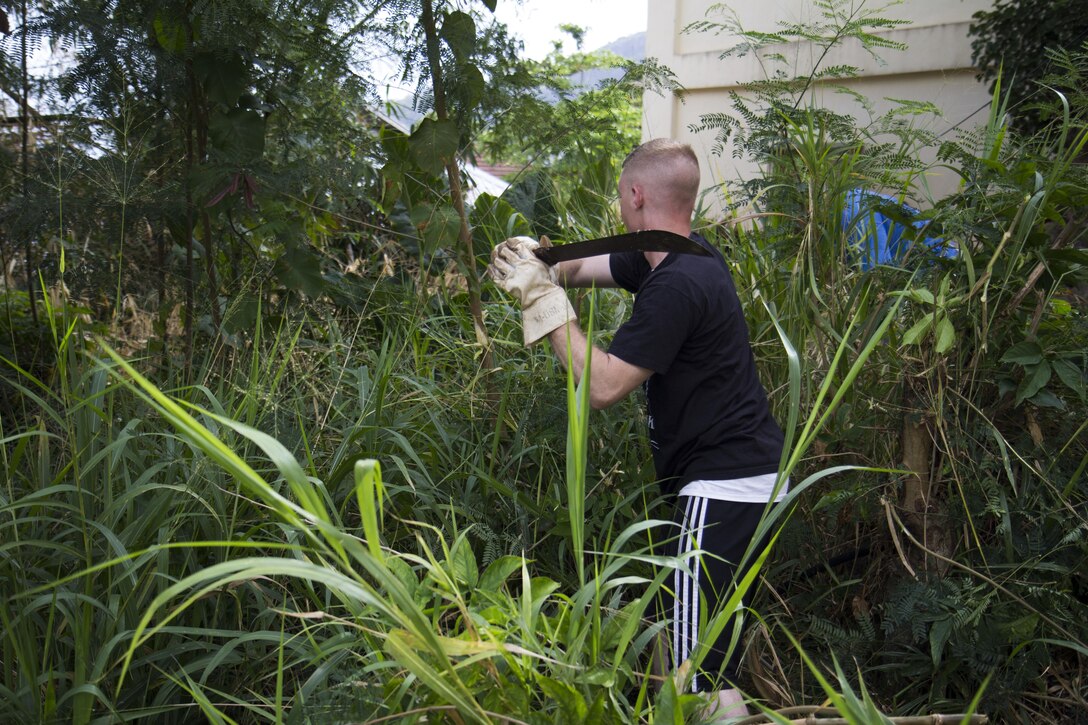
(544, 304)
(526, 244)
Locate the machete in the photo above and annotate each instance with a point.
(650, 240)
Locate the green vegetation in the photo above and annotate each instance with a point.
(269, 454)
(1027, 44)
(964, 570)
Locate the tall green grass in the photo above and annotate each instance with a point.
(167, 557)
(163, 555)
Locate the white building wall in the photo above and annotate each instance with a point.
(936, 67)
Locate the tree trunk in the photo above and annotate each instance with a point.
(25, 129)
(190, 211)
(159, 235)
(467, 256)
(917, 453)
(921, 511)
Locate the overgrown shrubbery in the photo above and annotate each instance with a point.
(964, 570)
(215, 540)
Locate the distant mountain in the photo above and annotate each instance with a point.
(632, 47)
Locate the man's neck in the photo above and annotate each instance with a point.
(681, 227)
(676, 227)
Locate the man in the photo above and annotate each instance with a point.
(716, 446)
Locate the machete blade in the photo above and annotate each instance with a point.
(650, 240)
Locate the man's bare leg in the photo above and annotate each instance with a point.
(729, 704)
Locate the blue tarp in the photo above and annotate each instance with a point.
(876, 238)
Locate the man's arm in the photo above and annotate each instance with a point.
(610, 380)
(546, 311)
(588, 272)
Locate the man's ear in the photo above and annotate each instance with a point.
(638, 200)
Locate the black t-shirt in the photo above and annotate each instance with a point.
(708, 414)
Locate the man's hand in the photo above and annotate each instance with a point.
(544, 305)
(514, 243)
(524, 246)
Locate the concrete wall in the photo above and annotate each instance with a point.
(936, 67)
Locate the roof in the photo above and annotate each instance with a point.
(403, 119)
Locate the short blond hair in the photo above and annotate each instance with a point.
(669, 165)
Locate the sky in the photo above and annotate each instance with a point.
(537, 22)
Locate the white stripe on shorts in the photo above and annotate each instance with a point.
(686, 601)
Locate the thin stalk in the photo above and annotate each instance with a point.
(121, 250)
(209, 264)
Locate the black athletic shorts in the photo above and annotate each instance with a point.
(723, 530)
